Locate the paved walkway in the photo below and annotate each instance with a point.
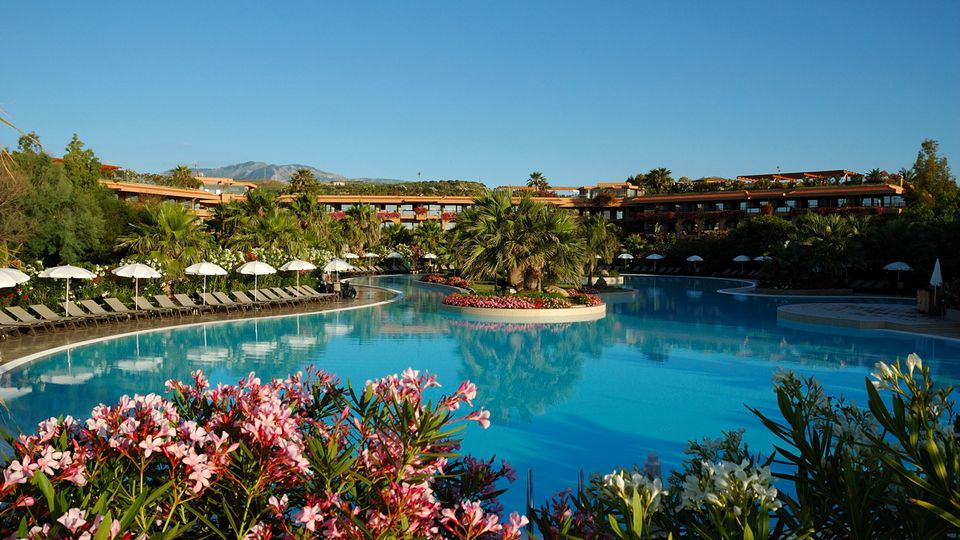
(25, 345)
(904, 318)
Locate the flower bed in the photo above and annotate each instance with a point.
(453, 281)
(295, 458)
(520, 302)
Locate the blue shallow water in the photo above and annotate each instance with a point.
(678, 363)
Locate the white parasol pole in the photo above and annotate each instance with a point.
(66, 299)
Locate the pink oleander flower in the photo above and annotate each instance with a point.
(73, 519)
(481, 416)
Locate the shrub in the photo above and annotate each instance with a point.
(457, 281)
(433, 278)
(293, 458)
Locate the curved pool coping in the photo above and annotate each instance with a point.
(752, 284)
(564, 315)
(30, 358)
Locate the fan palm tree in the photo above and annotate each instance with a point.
(600, 238)
(314, 220)
(303, 181)
(538, 181)
(361, 227)
(171, 233)
(277, 228)
(429, 235)
(659, 180)
(527, 244)
(395, 233)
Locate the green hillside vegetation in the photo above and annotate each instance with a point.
(462, 188)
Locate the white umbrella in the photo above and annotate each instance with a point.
(297, 266)
(742, 259)
(16, 275)
(205, 269)
(654, 257)
(624, 256)
(898, 266)
(393, 255)
(256, 269)
(137, 271)
(371, 255)
(7, 281)
(430, 256)
(67, 272)
(694, 259)
(349, 255)
(763, 258)
(936, 280)
(338, 265)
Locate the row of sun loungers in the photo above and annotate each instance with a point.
(16, 319)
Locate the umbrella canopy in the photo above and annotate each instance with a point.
(393, 255)
(694, 258)
(429, 256)
(7, 281)
(298, 266)
(624, 256)
(742, 259)
(338, 265)
(936, 279)
(67, 272)
(349, 255)
(16, 275)
(136, 271)
(762, 258)
(256, 269)
(371, 255)
(898, 266)
(655, 257)
(205, 269)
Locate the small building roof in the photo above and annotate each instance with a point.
(803, 175)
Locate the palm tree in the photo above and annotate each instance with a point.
(303, 181)
(170, 233)
(314, 220)
(429, 235)
(181, 176)
(658, 180)
(395, 233)
(600, 238)
(277, 228)
(527, 244)
(875, 176)
(361, 227)
(538, 181)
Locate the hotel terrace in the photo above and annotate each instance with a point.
(696, 212)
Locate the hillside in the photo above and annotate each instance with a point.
(259, 171)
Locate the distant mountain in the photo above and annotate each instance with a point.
(254, 171)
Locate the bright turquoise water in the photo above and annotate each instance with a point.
(679, 363)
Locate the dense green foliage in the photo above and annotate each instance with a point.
(461, 188)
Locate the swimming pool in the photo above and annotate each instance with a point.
(680, 362)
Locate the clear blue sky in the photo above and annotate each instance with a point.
(583, 91)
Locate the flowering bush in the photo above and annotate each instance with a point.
(449, 216)
(433, 278)
(294, 458)
(420, 210)
(457, 281)
(520, 302)
(386, 216)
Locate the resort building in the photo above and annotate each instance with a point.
(694, 212)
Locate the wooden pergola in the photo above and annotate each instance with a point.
(803, 175)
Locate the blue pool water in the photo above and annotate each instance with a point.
(680, 362)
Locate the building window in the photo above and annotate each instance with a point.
(813, 203)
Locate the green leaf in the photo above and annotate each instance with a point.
(103, 532)
(46, 488)
(940, 512)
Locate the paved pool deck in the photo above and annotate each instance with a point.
(26, 345)
(896, 317)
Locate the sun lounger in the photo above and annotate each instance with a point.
(263, 297)
(165, 302)
(304, 294)
(76, 311)
(187, 302)
(284, 294)
(211, 300)
(144, 305)
(245, 300)
(274, 297)
(225, 299)
(96, 309)
(47, 314)
(118, 307)
(24, 317)
(9, 323)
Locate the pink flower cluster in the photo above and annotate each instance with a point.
(300, 455)
(519, 302)
(433, 278)
(385, 216)
(453, 281)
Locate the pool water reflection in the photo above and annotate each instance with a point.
(678, 363)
